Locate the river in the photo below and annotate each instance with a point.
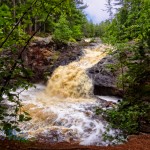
(64, 109)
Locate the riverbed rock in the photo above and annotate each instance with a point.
(104, 79)
(41, 40)
(145, 127)
(43, 56)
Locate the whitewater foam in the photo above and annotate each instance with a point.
(64, 110)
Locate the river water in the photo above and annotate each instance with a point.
(64, 109)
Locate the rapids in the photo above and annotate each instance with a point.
(64, 110)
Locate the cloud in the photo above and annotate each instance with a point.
(95, 10)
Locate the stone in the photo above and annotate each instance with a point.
(104, 79)
(41, 40)
(144, 125)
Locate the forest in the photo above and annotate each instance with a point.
(24, 61)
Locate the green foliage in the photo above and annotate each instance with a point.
(69, 25)
(62, 32)
(35, 17)
(17, 19)
(129, 32)
(125, 119)
(89, 29)
(76, 32)
(95, 30)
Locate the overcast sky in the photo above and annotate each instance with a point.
(95, 10)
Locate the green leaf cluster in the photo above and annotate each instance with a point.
(129, 32)
(18, 20)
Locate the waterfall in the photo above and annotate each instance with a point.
(64, 110)
(72, 80)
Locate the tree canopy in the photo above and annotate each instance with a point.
(20, 21)
(129, 32)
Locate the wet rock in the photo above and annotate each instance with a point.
(144, 125)
(93, 44)
(90, 42)
(106, 104)
(88, 113)
(104, 79)
(109, 104)
(43, 56)
(56, 135)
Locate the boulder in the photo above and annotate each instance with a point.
(41, 40)
(145, 127)
(104, 79)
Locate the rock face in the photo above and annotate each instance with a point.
(43, 56)
(104, 80)
(71, 53)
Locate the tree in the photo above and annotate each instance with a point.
(129, 33)
(109, 9)
(62, 32)
(15, 23)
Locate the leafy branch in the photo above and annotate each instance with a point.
(19, 21)
(8, 78)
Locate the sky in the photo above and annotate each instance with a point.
(95, 10)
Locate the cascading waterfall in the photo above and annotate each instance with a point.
(64, 110)
(71, 80)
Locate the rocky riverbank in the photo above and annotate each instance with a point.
(44, 56)
(104, 79)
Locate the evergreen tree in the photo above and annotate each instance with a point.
(62, 32)
(17, 18)
(129, 33)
